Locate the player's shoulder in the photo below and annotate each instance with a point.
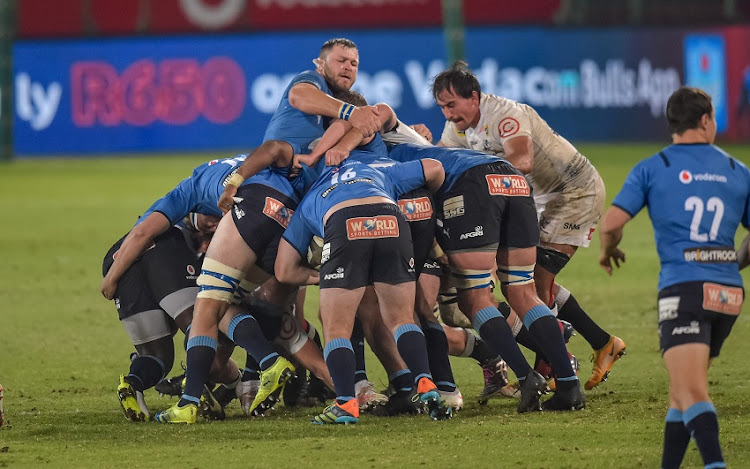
(309, 76)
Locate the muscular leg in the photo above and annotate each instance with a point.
(436, 339)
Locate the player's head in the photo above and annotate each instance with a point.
(338, 62)
(691, 109)
(351, 97)
(457, 92)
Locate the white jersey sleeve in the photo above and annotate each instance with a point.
(402, 133)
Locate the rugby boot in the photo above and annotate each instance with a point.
(209, 407)
(170, 386)
(568, 399)
(317, 392)
(224, 395)
(345, 413)
(176, 414)
(452, 399)
(132, 402)
(495, 373)
(294, 388)
(531, 388)
(246, 392)
(429, 397)
(367, 397)
(399, 403)
(603, 360)
(272, 382)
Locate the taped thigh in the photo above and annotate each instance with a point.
(147, 326)
(515, 274)
(470, 279)
(218, 281)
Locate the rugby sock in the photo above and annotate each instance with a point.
(250, 373)
(437, 355)
(244, 331)
(525, 338)
(546, 330)
(401, 381)
(701, 421)
(145, 372)
(339, 357)
(200, 354)
(411, 346)
(569, 310)
(676, 439)
(494, 330)
(358, 343)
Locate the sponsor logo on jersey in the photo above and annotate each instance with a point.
(722, 299)
(190, 270)
(571, 226)
(507, 127)
(411, 264)
(339, 274)
(714, 255)
(381, 226)
(277, 211)
(453, 207)
(478, 231)
(416, 209)
(238, 212)
(693, 328)
(325, 254)
(507, 185)
(686, 177)
(668, 308)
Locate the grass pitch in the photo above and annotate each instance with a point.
(62, 350)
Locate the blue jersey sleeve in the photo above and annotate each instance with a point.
(634, 193)
(405, 177)
(298, 234)
(176, 204)
(308, 76)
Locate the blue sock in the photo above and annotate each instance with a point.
(250, 373)
(412, 348)
(437, 354)
(200, 354)
(358, 344)
(494, 330)
(339, 357)
(245, 331)
(401, 381)
(145, 372)
(676, 439)
(703, 424)
(544, 327)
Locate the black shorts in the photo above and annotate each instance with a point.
(417, 206)
(489, 206)
(698, 312)
(163, 278)
(368, 243)
(261, 218)
(432, 267)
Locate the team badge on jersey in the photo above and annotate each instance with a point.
(417, 209)
(508, 127)
(381, 226)
(277, 211)
(508, 185)
(722, 299)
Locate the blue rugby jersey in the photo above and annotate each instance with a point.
(350, 180)
(201, 191)
(697, 196)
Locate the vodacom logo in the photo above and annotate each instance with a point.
(214, 14)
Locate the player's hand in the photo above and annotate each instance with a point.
(335, 156)
(226, 200)
(299, 159)
(606, 259)
(422, 130)
(109, 287)
(365, 119)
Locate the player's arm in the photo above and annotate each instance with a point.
(610, 235)
(132, 246)
(434, 174)
(519, 151)
(289, 268)
(354, 138)
(307, 98)
(743, 255)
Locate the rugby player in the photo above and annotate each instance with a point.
(697, 196)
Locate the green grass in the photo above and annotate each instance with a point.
(62, 350)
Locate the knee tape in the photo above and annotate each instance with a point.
(218, 281)
(510, 275)
(469, 279)
(449, 311)
(551, 260)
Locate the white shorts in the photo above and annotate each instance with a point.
(570, 217)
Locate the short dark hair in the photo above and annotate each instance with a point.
(685, 108)
(338, 41)
(457, 79)
(351, 97)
